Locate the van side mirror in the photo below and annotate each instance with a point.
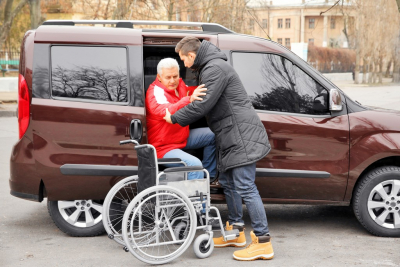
(335, 100)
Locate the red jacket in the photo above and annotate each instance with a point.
(162, 135)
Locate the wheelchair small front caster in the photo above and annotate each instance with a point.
(126, 249)
(111, 236)
(199, 246)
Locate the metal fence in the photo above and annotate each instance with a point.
(9, 59)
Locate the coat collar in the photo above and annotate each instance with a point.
(207, 52)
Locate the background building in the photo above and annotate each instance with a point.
(314, 22)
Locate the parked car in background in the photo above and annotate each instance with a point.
(82, 90)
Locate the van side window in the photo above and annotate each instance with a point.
(91, 73)
(274, 83)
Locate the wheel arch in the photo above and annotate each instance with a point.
(388, 161)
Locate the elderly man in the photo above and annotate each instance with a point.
(169, 91)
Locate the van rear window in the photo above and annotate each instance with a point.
(90, 73)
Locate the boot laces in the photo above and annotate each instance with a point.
(253, 242)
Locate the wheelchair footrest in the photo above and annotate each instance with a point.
(233, 234)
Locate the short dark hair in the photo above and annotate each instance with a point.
(188, 44)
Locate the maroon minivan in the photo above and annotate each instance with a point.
(82, 90)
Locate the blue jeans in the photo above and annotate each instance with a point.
(238, 184)
(198, 138)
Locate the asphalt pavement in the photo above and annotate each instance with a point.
(302, 235)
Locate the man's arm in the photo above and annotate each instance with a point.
(215, 80)
(158, 104)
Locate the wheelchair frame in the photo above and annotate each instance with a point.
(182, 190)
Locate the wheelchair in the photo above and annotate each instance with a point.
(155, 215)
(118, 199)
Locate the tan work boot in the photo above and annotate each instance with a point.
(219, 242)
(259, 248)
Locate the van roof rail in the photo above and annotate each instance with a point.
(207, 27)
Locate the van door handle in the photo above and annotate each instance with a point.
(136, 130)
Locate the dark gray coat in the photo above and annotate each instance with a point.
(240, 136)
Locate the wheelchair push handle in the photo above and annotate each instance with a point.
(124, 142)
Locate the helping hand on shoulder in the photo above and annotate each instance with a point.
(199, 91)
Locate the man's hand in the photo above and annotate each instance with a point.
(199, 91)
(167, 117)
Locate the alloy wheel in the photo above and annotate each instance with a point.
(81, 213)
(384, 204)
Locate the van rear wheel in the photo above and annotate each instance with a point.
(80, 218)
(376, 201)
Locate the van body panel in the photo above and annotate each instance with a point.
(310, 144)
(26, 60)
(23, 175)
(242, 42)
(168, 38)
(81, 135)
(373, 136)
(82, 131)
(88, 35)
(64, 131)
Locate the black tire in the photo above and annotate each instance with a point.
(68, 228)
(374, 212)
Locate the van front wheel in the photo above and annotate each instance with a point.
(80, 218)
(376, 201)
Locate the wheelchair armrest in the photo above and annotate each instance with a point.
(184, 169)
(169, 160)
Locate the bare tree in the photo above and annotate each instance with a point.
(90, 82)
(9, 15)
(396, 61)
(376, 31)
(230, 13)
(36, 14)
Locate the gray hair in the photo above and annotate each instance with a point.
(167, 63)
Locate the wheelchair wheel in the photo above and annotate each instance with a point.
(149, 224)
(199, 246)
(115, 204)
